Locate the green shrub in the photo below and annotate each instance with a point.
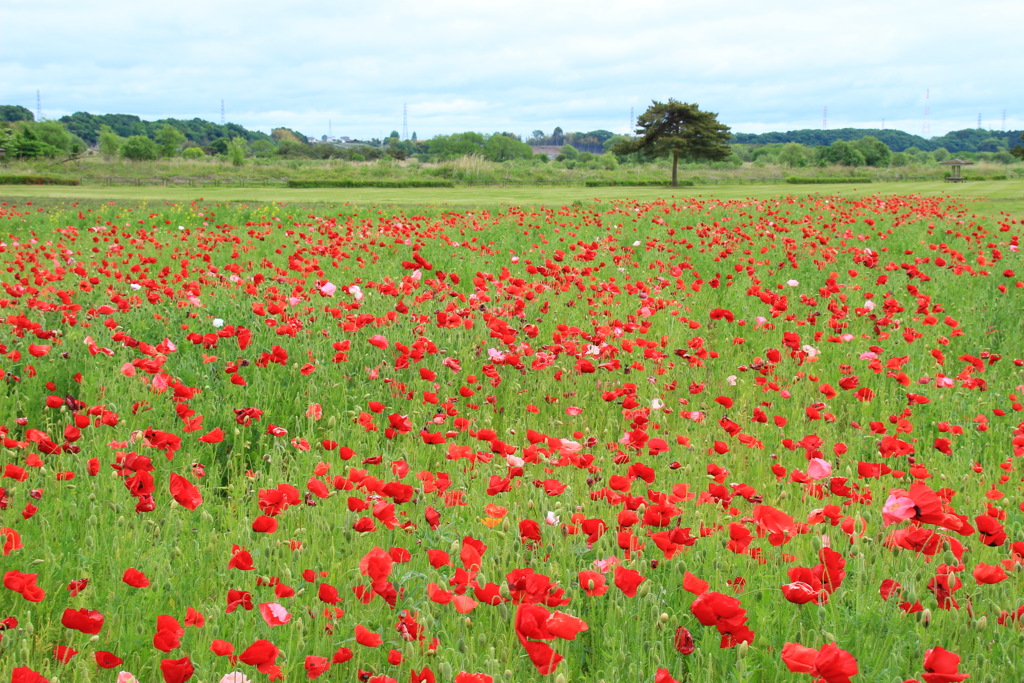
(352, 182)
(12, 179)
(611, 182)
(798, 180)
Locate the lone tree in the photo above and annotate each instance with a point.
(682, 129)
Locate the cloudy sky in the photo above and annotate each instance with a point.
(353, 68)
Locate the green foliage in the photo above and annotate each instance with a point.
(262, 149)
(505, 147)
(354, 182)
(282, 134)
(109, 141)
(140, 148)
(875, 152)
(170, 140)
(682, 130)
(567, 153)
(459, 144)
(840, 153)
(17, 179)
(15, 112)
(956, 142)
(27, 144)
(193, 153)
(809, 180)
(53, 133)
(613, 182)
(237, 149)
(795, 155)
(941, 154)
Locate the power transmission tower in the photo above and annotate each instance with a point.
(824, 117)
(405, 121)
(39, 106)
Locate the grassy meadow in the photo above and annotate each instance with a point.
(512, 433)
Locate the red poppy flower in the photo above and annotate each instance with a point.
(463, 677)
(107, 660)
(274, 614)
(628, 580)
(830, 664)
(367, 638)
(168, 633)
(25, 584)
(11, 538)
(176, 670)
(214, 436)
(264, 525)
(316, 666)
(63, 653)
(194, 618)
(942, 666)
(262, 654)
(23, 674)
(84, 620)
(184, 492)
(593, 583)
(684, 641)
(133, 577)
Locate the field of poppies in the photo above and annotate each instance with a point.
(686, 440)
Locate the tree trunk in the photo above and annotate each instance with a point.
(675, 166)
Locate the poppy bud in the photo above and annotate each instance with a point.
(981, 623)
(926, 617)
(446, 669)
(560, 678)
(742, 649)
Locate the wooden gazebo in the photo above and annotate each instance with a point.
(955, 164)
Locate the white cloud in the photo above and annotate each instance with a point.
(516, 66)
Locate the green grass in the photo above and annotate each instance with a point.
(993, 195)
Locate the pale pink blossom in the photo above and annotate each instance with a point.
(897, 509)
(818, 468)
(234, 677)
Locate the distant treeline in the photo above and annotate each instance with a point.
(966, 140)
(196, 131)
(130, 137)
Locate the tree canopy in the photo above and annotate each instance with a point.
(679, 129)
